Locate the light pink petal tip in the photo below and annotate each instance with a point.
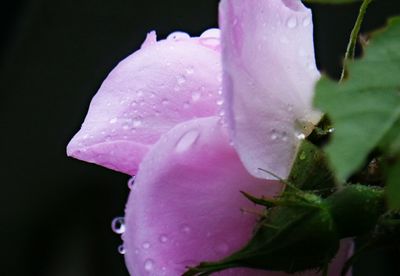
(185, 205)
(160, 85)
(269, 76)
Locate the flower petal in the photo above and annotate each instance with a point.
(269, 75)
(185, 205)
(160, 85)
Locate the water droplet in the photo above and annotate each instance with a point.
(332, 129)
(148, 265)
(113, 120)
(186, 229)
(274, 135)
(131, 182)
(306, 21)
(214, 32)
(146, 245)
(163, 238)
(292, 22)
(284, 136)
(180, 79)
(136, 122)
(186, 105)
(118, 225)
(190, 70)
(178, 36)
(139, 93)
(121, 249)
(220, 102)
(164, 102)
(196, 96)
(134, 103)
(187, 140)
(221, 113)
(300, 136)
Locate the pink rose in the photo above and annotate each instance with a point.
(194, 141)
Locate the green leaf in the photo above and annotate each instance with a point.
(366, 106)
(393, 187)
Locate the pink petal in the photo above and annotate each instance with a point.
(269, 75)
(185, 206)
(160, 85)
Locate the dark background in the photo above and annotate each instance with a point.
(55, 211)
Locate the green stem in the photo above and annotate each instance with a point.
(351, 46)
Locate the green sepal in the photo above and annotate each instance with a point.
(310, 170)
(292, 237)
(301, 230)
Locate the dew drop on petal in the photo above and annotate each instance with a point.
(187, 140)
(163, 239)
(178, 36)
(214, 32)
(137, 122)
(121, 249)
(180, 79)
(131, 182)
(190, 70)
(306, 21)
(118, 225)
(196, 96)
(300, 136)
(113, 120)
(292, 22)
(148, 265)
(146, 245)
(186, 229)
(220, 102)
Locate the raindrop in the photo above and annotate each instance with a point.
(214, 32)
(146, 245)
(137, 122)
(186, 229)
(300, 136)
(113, 120)
(121, 249)
(274, 136)
(196, 96)
(190, 70)
(163, 238)
(186, 105)
(139, 93)
(118, 225)
(292, 22)
(284, 136)
(131, 182)
(165, 101)
(148, 265)
(180, 79)
(187, 140)
(220, 102)
(306, 21)
(331, 130)
(178, 36)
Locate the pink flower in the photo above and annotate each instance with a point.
(164, 115)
